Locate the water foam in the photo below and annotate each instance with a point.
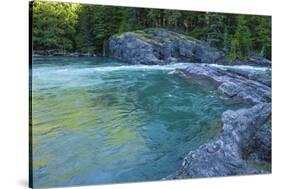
(240, 67)
(170, 67)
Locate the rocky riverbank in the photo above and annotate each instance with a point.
(232, 83)
(244, 145)
(56, 52)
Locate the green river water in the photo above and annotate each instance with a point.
(97, 120)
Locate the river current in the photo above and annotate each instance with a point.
(98, 120)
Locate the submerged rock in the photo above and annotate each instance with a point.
(160, 46)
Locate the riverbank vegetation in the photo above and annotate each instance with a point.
(71, 27)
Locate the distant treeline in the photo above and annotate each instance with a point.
(87, 28)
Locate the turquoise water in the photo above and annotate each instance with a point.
(96, 120)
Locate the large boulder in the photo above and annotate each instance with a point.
(160, 46)
(131, 49)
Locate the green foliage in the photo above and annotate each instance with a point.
(241, 41)
(261, 40)
(87, 28)
(53, 25)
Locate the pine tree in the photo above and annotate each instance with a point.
(54, 25)
(87, 28)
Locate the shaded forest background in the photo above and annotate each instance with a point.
(71, 27)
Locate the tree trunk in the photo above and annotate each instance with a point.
(103, 47)
(262, 53)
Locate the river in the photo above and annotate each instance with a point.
(98, 120)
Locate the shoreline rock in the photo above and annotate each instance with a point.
(253, 60)
(223, 156)
(231, 83)
(55, 52)
(244, 146)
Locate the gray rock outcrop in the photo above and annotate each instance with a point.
(160, 46)
(224, 155)
(244, 145)
(230, 83)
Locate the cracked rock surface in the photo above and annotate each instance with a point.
(244, 145)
